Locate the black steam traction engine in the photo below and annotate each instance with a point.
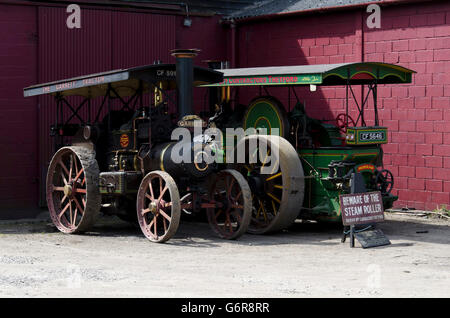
(120, 160)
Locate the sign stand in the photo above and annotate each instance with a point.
(351, 234)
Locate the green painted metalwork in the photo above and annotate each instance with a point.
(264, 113)
(326, 74)
(321, 195)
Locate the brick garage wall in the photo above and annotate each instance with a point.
(416, 36)
(418, 115)
(323, 39)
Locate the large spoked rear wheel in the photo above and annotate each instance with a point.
(158, 206)
(73, 197)
(278, 192)
(230, 204)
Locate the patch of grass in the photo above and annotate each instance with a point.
(443, 210)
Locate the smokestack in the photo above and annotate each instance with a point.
(185, 79)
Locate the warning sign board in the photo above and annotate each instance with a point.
(361, 208)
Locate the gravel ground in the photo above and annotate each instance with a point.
(308, 260)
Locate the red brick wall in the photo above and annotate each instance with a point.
(418, 115)
(299, 41)
(416, 36)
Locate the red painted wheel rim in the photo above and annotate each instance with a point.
(227, 192)
(155, 207)
(66, 191)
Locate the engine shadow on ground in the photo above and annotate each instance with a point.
(195, 233)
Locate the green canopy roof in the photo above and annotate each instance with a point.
(324, 74)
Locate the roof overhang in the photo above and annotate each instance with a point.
(324, 74)
(124, 81)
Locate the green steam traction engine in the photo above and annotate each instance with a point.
(319, 160)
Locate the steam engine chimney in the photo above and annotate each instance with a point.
(185, 79)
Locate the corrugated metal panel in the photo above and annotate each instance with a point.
(107, 40)
(18, 140)
(141, 38)
(64, 53)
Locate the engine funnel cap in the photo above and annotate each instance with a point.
(185, 53)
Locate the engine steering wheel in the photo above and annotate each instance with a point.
(341, 122)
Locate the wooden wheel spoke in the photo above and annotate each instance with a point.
(164, 214)
(160, 184)
(263, 210)
(75, 163)
(78, 190)
(71, 166)
(230, 186)
(75, 216)
(258, 212)
(236, 199)
(71, 219)
(64, 210)
(274, 176)
(267, 155)
(236, 205)
(274, 208)
(275, 166)
(62, 200)
(149, 197)
(274, 197)
(78, 205)
(229, 223)
(155, 225)
(145, 211)
(79, 174)
(64, 167)
(150, 225)
(162, 193)
(218, 213)
(57, 188)
(151, 191)
(165, 225)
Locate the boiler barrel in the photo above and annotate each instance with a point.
(164, 157)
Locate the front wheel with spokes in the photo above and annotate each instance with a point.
(230, 207)
(73, 198)
(158, 206)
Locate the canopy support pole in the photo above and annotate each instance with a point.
(375, 97)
